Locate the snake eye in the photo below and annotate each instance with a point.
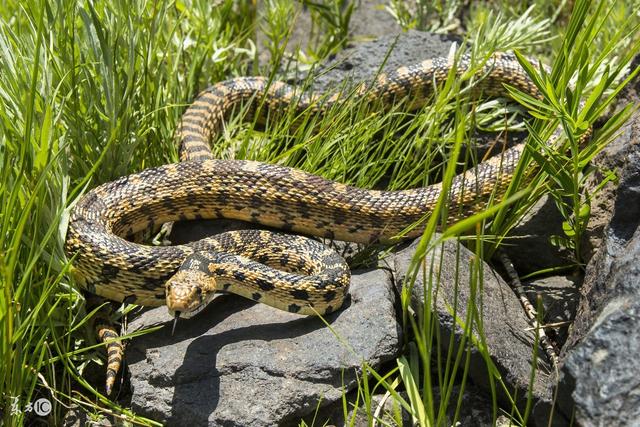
(199, 291)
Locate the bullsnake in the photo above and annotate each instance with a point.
(293, 273)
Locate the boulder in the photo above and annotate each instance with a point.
(507, 336)
(386, 54)
(600, 382)
(614, 157)
(475, 410)
(559, 296)
(239, 363)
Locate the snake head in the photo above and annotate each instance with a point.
(189, 291)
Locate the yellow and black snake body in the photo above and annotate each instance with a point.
(199, 186)
(289, 272)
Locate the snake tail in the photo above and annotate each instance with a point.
(108, 334)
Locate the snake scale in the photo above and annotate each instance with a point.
(289, 272)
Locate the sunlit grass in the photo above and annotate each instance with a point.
(89, 92)
(581, 86)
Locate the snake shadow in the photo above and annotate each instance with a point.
(196, 383)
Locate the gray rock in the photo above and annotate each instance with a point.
(529, 246)
(559, 297)
(388, 53)
(600, 379)
(509, 342)
(601, 374)
(614, 157)
(624, 223)
(475, 411)
(369, 20)
(240, 363)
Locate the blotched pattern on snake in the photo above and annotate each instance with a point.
(289, 272)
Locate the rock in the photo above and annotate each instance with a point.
(559, 296)
(386, 54)
(601, 374)
(600, 379)
(369, 20)
(613, 157)
(239, 363)
(529, 246)
(76, 416)
(506, 329)
(624, 222)
(475, 411)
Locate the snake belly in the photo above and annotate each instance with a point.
(201, 187)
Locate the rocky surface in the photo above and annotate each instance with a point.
(600, 374)
(240, 363)
(614, 157)
(528, 244)
(368, 21)
(388, 53)
(559, 296)
(475, 411)
(508, 340)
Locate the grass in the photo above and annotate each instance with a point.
(91, 91)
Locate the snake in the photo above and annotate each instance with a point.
(285, 269)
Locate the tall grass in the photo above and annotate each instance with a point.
(91, 91)
(589, 63)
